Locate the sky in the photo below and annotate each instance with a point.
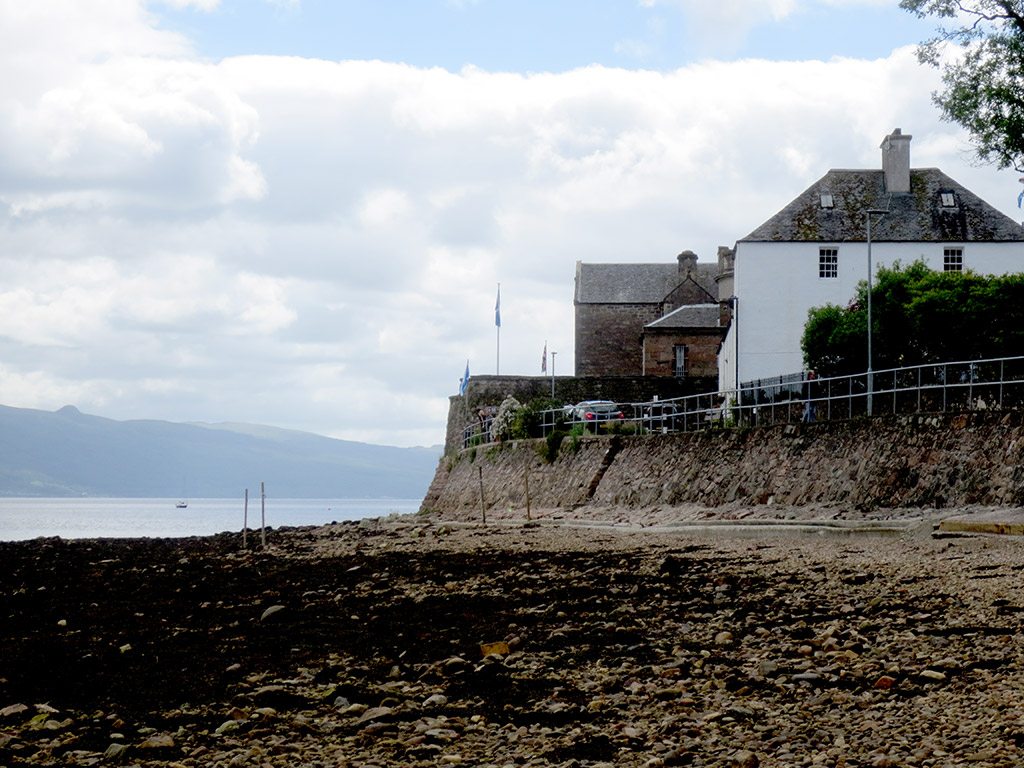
(298, 212)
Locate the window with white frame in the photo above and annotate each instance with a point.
(953, 259)
(828, 262)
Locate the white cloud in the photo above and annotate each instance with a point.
(202, 5)
(317, 244)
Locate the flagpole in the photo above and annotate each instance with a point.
(497, 323)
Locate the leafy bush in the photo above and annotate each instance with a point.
(577, 431)
(918, 316)
(529, 421)
(501, 427)
(548, 450)
(624, 428)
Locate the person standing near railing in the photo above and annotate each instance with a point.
(810, 393)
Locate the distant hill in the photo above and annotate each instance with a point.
(69, 453)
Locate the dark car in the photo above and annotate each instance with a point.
(599, 413)
(662, 416)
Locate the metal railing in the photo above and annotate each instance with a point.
(969, 385)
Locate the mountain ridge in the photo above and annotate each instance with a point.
(71, 453)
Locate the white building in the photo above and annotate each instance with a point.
(814, 252)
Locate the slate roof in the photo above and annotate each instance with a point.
(689, 316)
(918, 216)
(635, 283)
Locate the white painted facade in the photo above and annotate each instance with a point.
(778, 283)
(777, 267)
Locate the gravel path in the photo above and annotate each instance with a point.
(416, 642)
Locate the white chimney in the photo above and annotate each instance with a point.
(896, 161)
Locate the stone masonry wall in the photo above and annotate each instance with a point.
(936, 461)
(608, 338)
(701, 352)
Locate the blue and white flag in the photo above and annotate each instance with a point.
(465, 380)
(497, 308)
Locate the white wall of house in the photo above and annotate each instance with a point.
(777, 283)
(727, 361)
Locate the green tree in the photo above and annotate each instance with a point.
(918, 316)
(984, 85)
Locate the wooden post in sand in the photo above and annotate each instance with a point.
(263, 517)
(526, 477)
(245, 522)
(483, 509)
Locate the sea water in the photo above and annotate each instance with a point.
(89, 518)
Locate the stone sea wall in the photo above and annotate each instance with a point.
(944, 460)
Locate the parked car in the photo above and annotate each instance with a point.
(598, 413)
(662, 416)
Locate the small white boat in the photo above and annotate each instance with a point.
(181, 505)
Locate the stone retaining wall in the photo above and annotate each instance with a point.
(915, 461)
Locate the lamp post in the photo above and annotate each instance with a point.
(871, 375)
(553, 373)
(734, 305)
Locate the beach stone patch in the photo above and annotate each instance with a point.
(622, 648)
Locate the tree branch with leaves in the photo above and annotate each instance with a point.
(984, 83)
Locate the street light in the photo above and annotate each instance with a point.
(871, 375)
(553, 374)
(734, 305)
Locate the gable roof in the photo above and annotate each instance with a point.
(917, 216)
(635, 283)
(690, 316)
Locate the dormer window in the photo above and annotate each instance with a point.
(826, 200)
(948, 199)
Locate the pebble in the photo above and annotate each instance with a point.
(271, 611)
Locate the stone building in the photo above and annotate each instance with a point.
(651, 319)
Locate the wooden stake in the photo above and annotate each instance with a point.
(263, 517)
(245, 522)
(483, 509)
(526, 476)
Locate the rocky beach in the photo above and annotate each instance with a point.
(415, 641)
